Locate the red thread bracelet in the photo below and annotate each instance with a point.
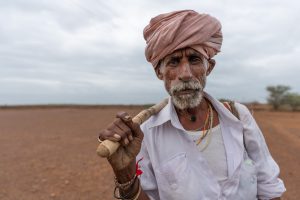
(138, 171)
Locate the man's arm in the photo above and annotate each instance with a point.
(269, 185)
(130, 136)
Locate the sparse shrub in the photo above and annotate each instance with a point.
(293, 100)
(277, 95)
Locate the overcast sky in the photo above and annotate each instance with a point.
(92, 51)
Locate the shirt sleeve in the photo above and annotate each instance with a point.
(147, 179)
(268, 184)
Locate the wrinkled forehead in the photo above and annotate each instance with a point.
(188, 51)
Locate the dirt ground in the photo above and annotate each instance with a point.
(49, 153)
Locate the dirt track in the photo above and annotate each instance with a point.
(50, 153)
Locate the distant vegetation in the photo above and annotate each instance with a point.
(279, 96)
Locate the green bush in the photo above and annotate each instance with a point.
(293, 100)
(277, 95)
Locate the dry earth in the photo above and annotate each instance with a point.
(49, 153)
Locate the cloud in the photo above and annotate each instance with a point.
(76, 51)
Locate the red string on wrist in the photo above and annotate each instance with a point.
(138, 171)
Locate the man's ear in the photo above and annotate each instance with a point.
(211, 65)
(158, 72)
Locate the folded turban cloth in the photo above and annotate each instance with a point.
(176, 30)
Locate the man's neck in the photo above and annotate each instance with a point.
(198, 113)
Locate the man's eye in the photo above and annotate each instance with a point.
(195, 59)
(173, 62)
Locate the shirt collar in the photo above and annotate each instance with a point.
(168, 113)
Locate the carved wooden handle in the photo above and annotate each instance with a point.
(107, 147)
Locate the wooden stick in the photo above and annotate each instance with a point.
(107, 147)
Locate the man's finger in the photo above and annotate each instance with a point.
(124, 116)
(108, 135)
(137, 130)
(121, 125)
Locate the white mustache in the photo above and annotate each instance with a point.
(190, 85)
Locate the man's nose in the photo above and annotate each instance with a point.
(185, 73)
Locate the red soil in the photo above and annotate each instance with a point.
(49, 153)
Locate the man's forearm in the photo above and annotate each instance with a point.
(125, 176)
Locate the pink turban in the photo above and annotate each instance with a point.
(176, 30)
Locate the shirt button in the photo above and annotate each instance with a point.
(253, 179)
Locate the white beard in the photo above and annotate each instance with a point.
(188, 100)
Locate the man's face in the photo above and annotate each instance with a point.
(184, 75)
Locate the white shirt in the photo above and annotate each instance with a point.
(173, 168)
(213, 150)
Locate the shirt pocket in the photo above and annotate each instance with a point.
(173, 171)
(248, 181)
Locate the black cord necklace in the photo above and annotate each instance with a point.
(192, 118)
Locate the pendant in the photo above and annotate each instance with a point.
(193, 118)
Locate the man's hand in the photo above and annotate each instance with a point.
(130, 136)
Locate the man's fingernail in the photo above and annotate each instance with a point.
(127, 117)
(130, 137)
(126, 141)
(117, 136)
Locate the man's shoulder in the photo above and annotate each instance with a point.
(158, 119)
(239, 110)
(244, 113)
(154, 121)
(231, 104)
(242, 108)
(148, 123)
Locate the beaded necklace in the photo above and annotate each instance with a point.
(208, 130)
(205, 123)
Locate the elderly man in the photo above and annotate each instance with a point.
(195, 147)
